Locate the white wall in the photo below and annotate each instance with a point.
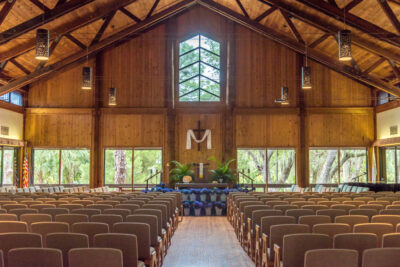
(14, 121)
(386, 119)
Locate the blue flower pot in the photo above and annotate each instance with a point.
(208, 211)
(218, 211)
(193, 197)
(203, 197)
(185, 197)
(222, 198)
(213, 197)
(186, 211)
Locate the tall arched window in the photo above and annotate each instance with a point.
(199, 70)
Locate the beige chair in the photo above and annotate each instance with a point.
(9, 207)
(365, 212)
(83, 202)
(365, 199)
(284, 208)
(296, 245)
(376, 207)
(391, 240)
(376, 228)
(333, 213)
(277, 232)
(393, 207)
(34, 218)
(45, 228)
(379, 202)
(65, 242)
(121, 212)
(87, 211)
(345, 207)
(297, 213)
(108, 202)
(356, 241)
(109, 219)
(8, 217)
(352, 220)
(131, 207)
(392, 219)
(134, 202)
(390, 212)
(34, 257)
(18, 240)
(71, 207)
(311, 220)
(72, 218)
(341, 199)
(382, 257)
(354, 202)
(11, 226)
(331, 229)
(90, 229)
(142, 231)
(300, 204)
(54, 212)
(104, 257)
(127, 243)
(331, 258)
(315, 207)
(274, 203)
(99, 206)
(40, 207)
(19, 212)
(328, 203)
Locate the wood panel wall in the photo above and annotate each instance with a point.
(337, 111)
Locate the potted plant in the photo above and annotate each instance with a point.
(213, 195)
(224, 194)
(185, 194)
(219, 207)
(193, 194)
(197, 205)
(208, 208)
(186, 208)
(179, 171)
(203, 194)
(223, 174)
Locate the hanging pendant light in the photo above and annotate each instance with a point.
(344, 40)
(284, 100)
(112, 96)
(42, 44)
(86, 78)
(306, 77)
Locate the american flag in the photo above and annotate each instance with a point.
(25, 173)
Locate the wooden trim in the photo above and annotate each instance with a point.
(11, 142)
(387, 141)
(133, 110)
(11, 107)
(59, 110)
(387, 106)
(272, 110)
(347, 110)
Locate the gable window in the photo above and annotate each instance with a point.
(15, 98)
(199, 70)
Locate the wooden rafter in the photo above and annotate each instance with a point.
(39, 20)
(242, 8)
(354, 21)
(75, 41)
(319, 40)
(6, 9)
(298, 47)
(321, 24)
(374, 65)
(265, 14)
(293, 28)
(40, 5)
(133, 30)
(396, 70)
(80, 22)
(152, 9)
(102, 29)
(129, 14)
(352, 5)
(389, 13)
(333, 3)
(20, 66)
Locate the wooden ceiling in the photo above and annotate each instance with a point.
(84, 27)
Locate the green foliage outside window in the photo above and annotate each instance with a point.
(46, 166)
(118, 166)
(281, 166)
(147, 162)
(392, 154)
(7, 156)
(199, 70)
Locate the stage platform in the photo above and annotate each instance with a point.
(201, 185)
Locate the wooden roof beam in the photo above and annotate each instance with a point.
(265, 14)
(75, 41)
(319, 40)
(299, 48)
(39, 20)
(152, 9)
(40, 5)
(92, 50)
(389, 13)
(129, 14)
(102, 29)
(374, 65)
(242, 8)
(321, 24)
(80, 22)
(352, 5)
(6, 9)
(293, 29)
(354, 21)
(20, 66)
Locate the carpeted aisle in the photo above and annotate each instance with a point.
(206, 242)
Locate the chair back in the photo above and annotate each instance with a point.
(151, 220)
(90, 229)
(296, 245)
(12, 226)
(72, 218)
(115, 211)
(71, 207)
(99, 206)
(311, 220)
(333, 213)
(376, 228)
(65, 242)
(285, 207)
(345, 207)
(258, 214)
(19, 212)
(376, 207)
(40, 207)
(331, 258)
(54, 212)
(392, 219)
(384, 257)
(352, 220)
(34, 218)
(299, 212)
(87, 211)
(131, 207)
(18, 240)
(331, 229)
(142, 232)
(104, 257)
(8, 217)
(109, 219)
(156, 213)
(267, 222)
(23, 257)
(365, 212)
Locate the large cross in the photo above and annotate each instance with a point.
(198, 133)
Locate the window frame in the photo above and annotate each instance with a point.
(132, 184)
(32, 169)
(16, 175)
(383, 170)
(339, 149)
(9, 94)
(222, 83)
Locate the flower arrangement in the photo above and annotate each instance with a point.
(220, 204)
(223, 174)
(186, 204)
(208, 204)
(179, 171)
(186, 191)
(205, 191)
